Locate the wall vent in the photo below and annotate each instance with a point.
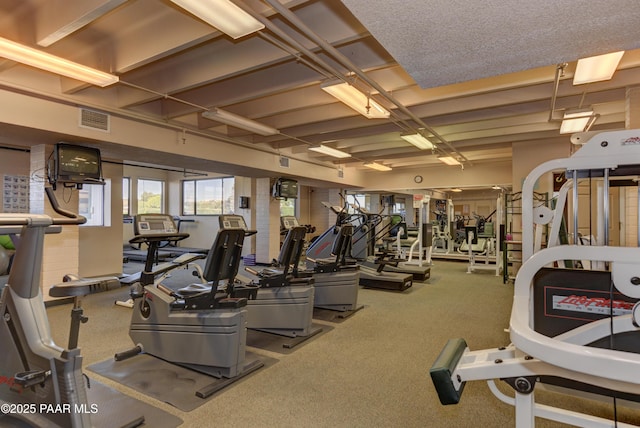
(92, 119)
(284, 162)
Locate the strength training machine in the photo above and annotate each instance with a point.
(573, 328)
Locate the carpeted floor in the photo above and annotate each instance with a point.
(368, 371)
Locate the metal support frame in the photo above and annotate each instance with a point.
(567, 355)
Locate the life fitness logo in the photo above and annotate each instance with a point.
(11, 383)
(322, 247)
(632, 141)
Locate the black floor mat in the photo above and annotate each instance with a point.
(334, 316)
(112, 409)
(283, 344)
(176, 385)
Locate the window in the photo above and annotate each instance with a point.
(399, 208)
(150, 196)
(287, 207)
(212, 196)
(126, 200)
(94, 205)
(354, 201)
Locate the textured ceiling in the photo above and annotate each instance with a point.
(440, 42)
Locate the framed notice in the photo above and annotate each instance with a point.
(15, 194)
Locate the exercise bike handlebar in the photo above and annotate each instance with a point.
(41, 220)
(72, 218)
(158, 237)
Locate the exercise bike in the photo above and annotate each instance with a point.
(284, 302)
(209, 320)
(42, 383)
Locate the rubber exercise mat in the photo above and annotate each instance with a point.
(179, 386)
(115, 409)
(334, 316)
(283, 344)
(112, 409)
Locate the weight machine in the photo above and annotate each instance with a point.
(443, 240)
(484, 244)
(568, 343)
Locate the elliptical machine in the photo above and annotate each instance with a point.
(37, 372)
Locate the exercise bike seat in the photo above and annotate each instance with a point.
(194, 289)
(183, 260)
(83, 286)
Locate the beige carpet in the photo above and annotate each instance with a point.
(368, 371)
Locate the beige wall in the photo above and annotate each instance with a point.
(320, 216)
(159, 137)
(13, 162)
(304, 204)
(527, 156)
(438, 177)
(629, 219)
(629, 209)
(100, 246)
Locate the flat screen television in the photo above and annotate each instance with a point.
(285, 188)
(76, 165)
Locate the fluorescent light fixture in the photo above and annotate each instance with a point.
(330, 151)
(418, 140)
(576, 121)
(596, 68)
(44, 61)
(222, 14)
(355, 99)
(449, 160)
(377, 166)
(239, 121)
(456, 190)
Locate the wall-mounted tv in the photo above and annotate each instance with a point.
(285, 188)
(74, 166)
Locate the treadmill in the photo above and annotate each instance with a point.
(378, 278)
(175, 247)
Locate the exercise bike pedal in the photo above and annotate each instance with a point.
(32, 377)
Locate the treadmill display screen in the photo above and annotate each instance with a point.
(150, 224)
(233, 222)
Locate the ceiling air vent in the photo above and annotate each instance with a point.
(92, 119)
(284, 162)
